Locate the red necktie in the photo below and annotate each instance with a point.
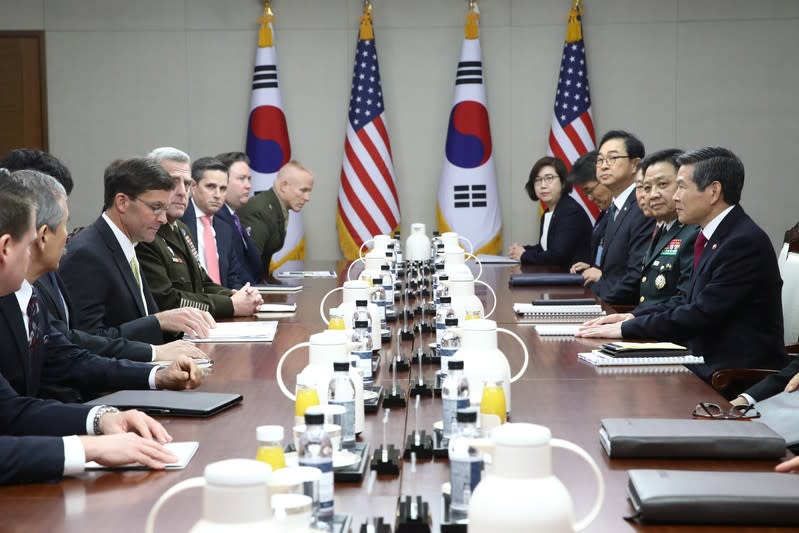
(699, 247)
(209, 245)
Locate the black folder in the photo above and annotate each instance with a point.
(170, 403)
(538, 279)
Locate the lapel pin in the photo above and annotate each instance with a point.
(714, 246)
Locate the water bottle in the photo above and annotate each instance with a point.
(398, 249)
(316, 450)
(443, 311)
(454, 395)
(388, 284)
(362, 350)
(378, 297)
(341, 391)
(465, 461)
(362, 313)
(434, 243)
(440, 288)
(450, 342)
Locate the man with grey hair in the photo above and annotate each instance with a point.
(47, 357)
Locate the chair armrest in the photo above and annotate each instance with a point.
(730, 382)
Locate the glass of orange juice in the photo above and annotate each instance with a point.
(270, 446)
(307, 396)
(493, 411)
(336, 319)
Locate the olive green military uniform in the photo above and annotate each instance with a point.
(668, 264)
(175, 276)
(263, 219)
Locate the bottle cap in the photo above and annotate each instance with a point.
(391, 245)
(378, 281)
(457, 364)
(360, 303)
(341, 366)
(385, 267)
(439, 266)
(451, 321)
(390, 254)
(436, 233)
(316, 419)
(361, 324)
(269, 433)
(443, 277)
(468, 415)
(446, 299)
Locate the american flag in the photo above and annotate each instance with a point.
(572, 131)
(368, 204)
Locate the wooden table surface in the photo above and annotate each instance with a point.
(556, 391)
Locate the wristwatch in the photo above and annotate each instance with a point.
(104, 409)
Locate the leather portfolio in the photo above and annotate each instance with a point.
(780, 414)
(687, 438)
(170, 403)
(535, 279)
(707, 497)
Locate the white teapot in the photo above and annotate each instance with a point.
(460, 288)
(417, 245)
(518, 492)
(324, 349)
(235, 498)
(481, 357)
(352, 291)
(379, 244)
(455, 261)
(372, 261)
(453, 239)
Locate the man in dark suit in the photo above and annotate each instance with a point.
(266, 215)
(583, 173)
(110, 295)
(628, 231)
(52, 217)
(731, 313)
(237, 195)
(33, 445)
(171, 262)
(669, 259)
(213, 237)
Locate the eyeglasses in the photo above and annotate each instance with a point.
(546, 179)
(157, 209)
(610, 160)
(714, 411)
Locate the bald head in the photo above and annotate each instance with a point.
(293, 185)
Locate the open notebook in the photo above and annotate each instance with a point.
(184, 451)
(260, 331)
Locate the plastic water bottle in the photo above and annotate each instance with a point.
(450, 342)
(443, 312)
(362, 350)
(388, 284)
(465, 462)
(378, 297)
(316, 450)
(341, 391)
(362, 313)
(454, 395)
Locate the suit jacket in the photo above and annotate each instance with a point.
(26, 458)
(175, 275)
(249, 257)
(55, 361)
(105, 295)
(262, 217)
(568, 239)
(623, 248)
(118, 347)
(229, 266)
(597, 235)
(775, 383)
(668, 264)
(731, 313)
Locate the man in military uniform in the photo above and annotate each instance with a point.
(170, 262)
(668, 261)
(265, 217)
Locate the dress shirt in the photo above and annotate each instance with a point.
(713, 224)
(545, 231)
(619, 200)
(74, 454)
(129, 249)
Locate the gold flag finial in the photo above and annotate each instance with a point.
(366, 33)
(574, 30)
(265, 38)
(472, 28)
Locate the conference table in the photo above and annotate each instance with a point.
(557, 391)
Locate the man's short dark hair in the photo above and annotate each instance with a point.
(228, 158)
(133, 177)
(17, 207)
(633, 145)
(29, 159)
(547, 161)
(584, 169)
(714, 163)
(669, 155)
(204, 164)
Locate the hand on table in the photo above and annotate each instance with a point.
(174, 350)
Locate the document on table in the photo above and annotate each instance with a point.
(277, 308)
(184, 451)
(305, 274)
(270, 288)
(488, 259)
(259, 331)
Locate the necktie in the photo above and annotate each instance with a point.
(209, 243)
(699, 247)
(237, 222)
(613, 211)
(657, 233)
(33, 320)
(134, 266)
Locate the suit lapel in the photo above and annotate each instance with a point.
(716, 240)
(656, 247)
(9, 307)
(122, 264)
(614, 225)
(190, 219)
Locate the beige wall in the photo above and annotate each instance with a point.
(124, 77)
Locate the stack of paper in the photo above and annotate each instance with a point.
(260, 331)
(184, 451)
(558, 314)
(277, 308)
(597, 358)
(305, 274)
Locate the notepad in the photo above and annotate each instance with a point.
(184, 451)
(488, 259)
(561, 314)
(277, 308)
(305, 274)
(259, 331)
(268, 288)
(643, 349)
(562, 330)
(599, 359)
